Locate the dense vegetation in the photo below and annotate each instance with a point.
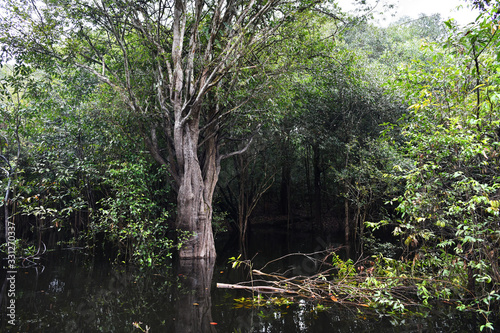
(387, 136)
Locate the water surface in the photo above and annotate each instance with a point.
(70, 291)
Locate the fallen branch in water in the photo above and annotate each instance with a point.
(370, 282)
(261, 289)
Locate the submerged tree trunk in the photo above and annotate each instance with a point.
(194, 215)
(195, 193)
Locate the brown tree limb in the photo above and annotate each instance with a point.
(263, 289)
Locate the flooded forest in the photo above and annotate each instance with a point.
(248, 166)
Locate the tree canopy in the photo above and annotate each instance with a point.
(117, 116)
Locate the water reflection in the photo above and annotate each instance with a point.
(78, 293)
(193, 301)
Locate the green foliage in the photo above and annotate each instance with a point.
(449, 209)
(75, 175)
(432, 177)
(260, 300)
(345, 268)
(133, 216)
(219, 222)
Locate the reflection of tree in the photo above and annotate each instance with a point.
(194, 303)
(80, 296)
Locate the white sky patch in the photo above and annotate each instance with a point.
(413, 8)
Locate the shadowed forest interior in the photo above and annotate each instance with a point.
(188, 135)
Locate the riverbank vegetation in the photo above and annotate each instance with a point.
(136, 130)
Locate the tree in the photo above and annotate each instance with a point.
(448, 211)
(163, 59)
(14, 83)
(243, 185)
(342, 104)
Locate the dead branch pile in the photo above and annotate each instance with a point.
(361, 285)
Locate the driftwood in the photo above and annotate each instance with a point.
(262, 289)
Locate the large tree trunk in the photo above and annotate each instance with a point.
(194, 215)
(195, 193)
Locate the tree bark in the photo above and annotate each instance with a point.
(195, 193)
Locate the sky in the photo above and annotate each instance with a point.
(412, 8)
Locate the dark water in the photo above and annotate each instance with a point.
(73, 292)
